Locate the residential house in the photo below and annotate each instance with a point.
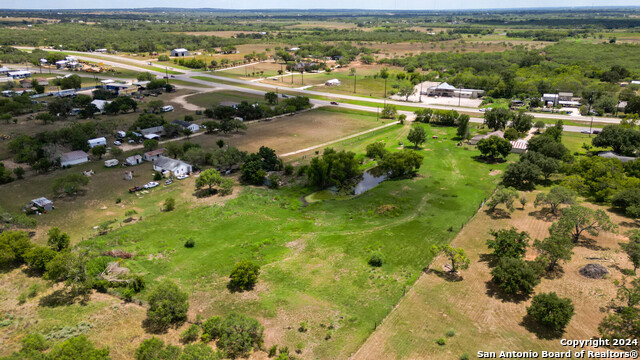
(74, 158)
(41, 204)
(153, 154)
(97, 141)
(134, 160)
(474, 140)
(153, 132)
(442, 89)
(612, 155)
(175, 167)
(187, 125)
(180, 52)
(100, 104)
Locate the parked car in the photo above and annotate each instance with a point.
(334, 103)
(117, 143)
(150, 185)
(168, 182)
(285, 96)
(134, 189)
(585, 132)
(182, 177)
(131, 141)
(596, 131)
(173, 76)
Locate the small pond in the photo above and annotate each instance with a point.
(369, 181)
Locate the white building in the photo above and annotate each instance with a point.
(19, 74)
(100, 104)
(176, 167)
(134, 160)
(187, 125)
(97, 141)
(180, 52)
(74, 158)
(333, 82)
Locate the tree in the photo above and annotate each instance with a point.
(406, 89)
(167, 305)
(46, 118)
(557, 196)
(13, 246)
(69, 184)
(547, 165)
(271, 97)
(57, 240)
(624, 324)
(554, 248)
(577, 219)
(497, 118)
(389, 112)
(515, 276)
(210, 178)
(624, 141)
(244, 276)
(522, 122)
(253, 173)
(98, 151)
(89, 111)
(504, 196)
(60, 107)
(463, 126)
(38, 257)
(376, 150)
(494, 147)
(629, 293)
(551, 311)
(145, 76)
(154, 349)
(150, 144)
(457, 256)
(333, 168)
(632, 248)
(400, 163)
(508, 243)
(169, 204)
(417, 136)
(174, 149)
(511, 134)
(521, 175)
(540, 125)
(633, 106)
(79, 347)
(240, 334)
(155, 105)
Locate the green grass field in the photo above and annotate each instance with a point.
(314, 258)
(216, 97)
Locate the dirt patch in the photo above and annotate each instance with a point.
(495, 172)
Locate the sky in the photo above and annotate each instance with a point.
(325, 4)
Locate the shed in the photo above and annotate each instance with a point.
(74, 158)
(519, 146)
(174, 166)
(134, 160)
(97, 141)
(43, 204)
(180, 52)
(153, 154)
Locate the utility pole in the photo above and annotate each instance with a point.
(420, 95)
(166, 74)
(459, 94)
(589, 113)
(277, 97)
(302, 76)
(385, 88)
(355, 79)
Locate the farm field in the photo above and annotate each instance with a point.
(468, 307)
(298, 248)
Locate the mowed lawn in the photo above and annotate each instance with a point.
(209, 99)
(313, 258)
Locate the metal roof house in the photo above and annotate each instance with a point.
(153, 154)
(20, 74)
(43, 204)
(176, 167)
(332, 82)
(100, 104)
(74, 158)
(612, 155)
(474, 140)
(180, 52)
(156, 130)
(134, 160)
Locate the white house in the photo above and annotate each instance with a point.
(187, 125)
(153, 154)
(100, 104)
(4, 70)
(134, 160)
(97, 141)
(74, 158)
(180, 52)
(332, 82)
(176, 167)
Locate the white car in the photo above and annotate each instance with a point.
(117, 143)
(182, 177)
(131, 141)
(150, 185)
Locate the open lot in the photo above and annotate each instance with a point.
(310, 272)
(435, 306)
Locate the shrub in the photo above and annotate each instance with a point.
(515, 276)
(376, 260)
(551, 311)
(157, 176)
(441, 341)
(239, 334)
(464, 357)
(211, 328)
(273, 350)
(375, 150)
(274, 181)
(38, 257)
(189, 243)
(169, 204)
(244, 275)
(303, 327)
(450, 333)
(130, 212)
(288, 169)
(190, 335)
